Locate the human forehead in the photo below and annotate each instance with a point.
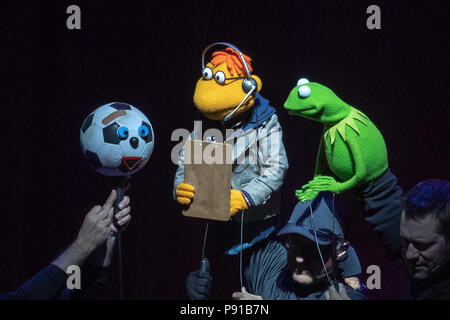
(419, 229)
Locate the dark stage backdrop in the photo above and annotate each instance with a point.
(148, 53)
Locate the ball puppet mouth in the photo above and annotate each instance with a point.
(131, 162)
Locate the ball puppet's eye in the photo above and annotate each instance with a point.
(207, 73)
(304, 91)
(302, 81)
(220, 77)
(143, 131)
(122, 132)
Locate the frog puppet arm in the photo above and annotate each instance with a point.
(328, 183)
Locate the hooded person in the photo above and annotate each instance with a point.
(309, 254)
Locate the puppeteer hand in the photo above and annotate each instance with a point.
(199, 283)
(237, 202)
(333, 294)
(185, 193)
(244, 295)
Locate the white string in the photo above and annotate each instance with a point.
(317, 244)
(240, 253)
(334, 241)
(204, 240)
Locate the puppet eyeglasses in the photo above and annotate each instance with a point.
(219, 76)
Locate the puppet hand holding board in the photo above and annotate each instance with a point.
(228, 94)
(207, 166)
(225, 92)
(351, 146)
(214, 198)
(117, 140)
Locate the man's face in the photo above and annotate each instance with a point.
(304, 260)
(423, 246)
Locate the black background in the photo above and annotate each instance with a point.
(148, 53)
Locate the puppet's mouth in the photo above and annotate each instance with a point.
(299, 112)
(131, 162)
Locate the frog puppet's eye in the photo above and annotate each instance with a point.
(220, 77)
(302, 81)
(207, 73)
(143, 131)
(304, 91)
(123, 132)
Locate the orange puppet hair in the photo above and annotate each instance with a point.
(233, 61)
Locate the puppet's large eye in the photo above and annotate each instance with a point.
(143, 131)
(122, 132)
(220, 77)
(207, 73)
(304, 91)
(302, 81)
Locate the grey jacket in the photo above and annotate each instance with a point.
(259, 167)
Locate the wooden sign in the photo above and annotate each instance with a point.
(207, 166)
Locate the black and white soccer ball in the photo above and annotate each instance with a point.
(117, 139)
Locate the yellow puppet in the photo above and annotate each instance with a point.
(229, 93)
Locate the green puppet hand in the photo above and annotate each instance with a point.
(324, 183)
(306, 193)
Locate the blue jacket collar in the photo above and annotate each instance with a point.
(261, 112)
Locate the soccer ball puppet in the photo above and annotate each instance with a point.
(117, 139)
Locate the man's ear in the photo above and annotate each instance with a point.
(258, 82)
(341, 253)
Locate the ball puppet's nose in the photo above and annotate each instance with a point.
(134, 142)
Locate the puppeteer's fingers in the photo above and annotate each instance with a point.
(103, 214)
(125, 202)
(124, 220)
(236, 295)
(110, 201)
(122, 213)
(95, 210)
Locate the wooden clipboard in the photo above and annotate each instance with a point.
(207, 166)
